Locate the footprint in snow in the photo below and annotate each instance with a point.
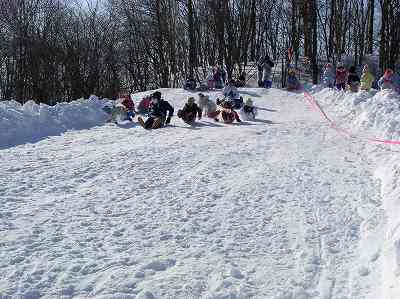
(160, 264)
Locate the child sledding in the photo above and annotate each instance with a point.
(144, 105)
(249, 111)
(190, 111)
(226, 113)
(122, 110)
(207, 106)
(160, 113)
(231, 93)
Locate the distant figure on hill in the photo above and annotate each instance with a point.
(218, 78)
(328, 77)
(366, 79)
(190, 84)
(292, 81)
(341, 77)
(353, 80)
(390, 80)
(265, 72)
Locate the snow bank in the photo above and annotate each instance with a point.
(377, 112)
(389, 174)
(31, 122)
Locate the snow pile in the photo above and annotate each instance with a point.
(375, 111)
(389, 174)
(31, 122)
(378, 113)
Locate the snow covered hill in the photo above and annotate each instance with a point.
(283, 207)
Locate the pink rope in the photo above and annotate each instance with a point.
(334, 126)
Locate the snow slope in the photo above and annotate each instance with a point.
(281, 208)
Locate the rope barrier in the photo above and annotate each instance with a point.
(314, 104)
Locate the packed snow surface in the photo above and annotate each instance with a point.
(282, 208)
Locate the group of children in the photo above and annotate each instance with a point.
(159, 111)
(216, 79)
(344, 79)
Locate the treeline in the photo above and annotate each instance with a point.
(53, 50)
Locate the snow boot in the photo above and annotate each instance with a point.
(141, 122)
(157, 123)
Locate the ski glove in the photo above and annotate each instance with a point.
(168, 120)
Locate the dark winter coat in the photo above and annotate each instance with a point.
(353, 78)
(341, 76)
(161, 109)
(194, 109)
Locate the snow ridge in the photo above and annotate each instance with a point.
(32, 122)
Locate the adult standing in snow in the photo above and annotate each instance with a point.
(366, 79)
(218, 79)
(189, 112)
(341, 77)
(353, 80)
(328, 77)
(266, 65)
(160, 113)
(210, 80)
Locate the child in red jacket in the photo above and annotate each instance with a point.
(129, 107)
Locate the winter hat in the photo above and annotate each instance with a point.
(366, 68)
(156, 95)
(328, 65)
(191, 100)
(227, 105)
(388, 73)
(249, 102)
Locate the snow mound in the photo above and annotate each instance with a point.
(31, 122)
(374, 111)
(389, 175)
(377, 112)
